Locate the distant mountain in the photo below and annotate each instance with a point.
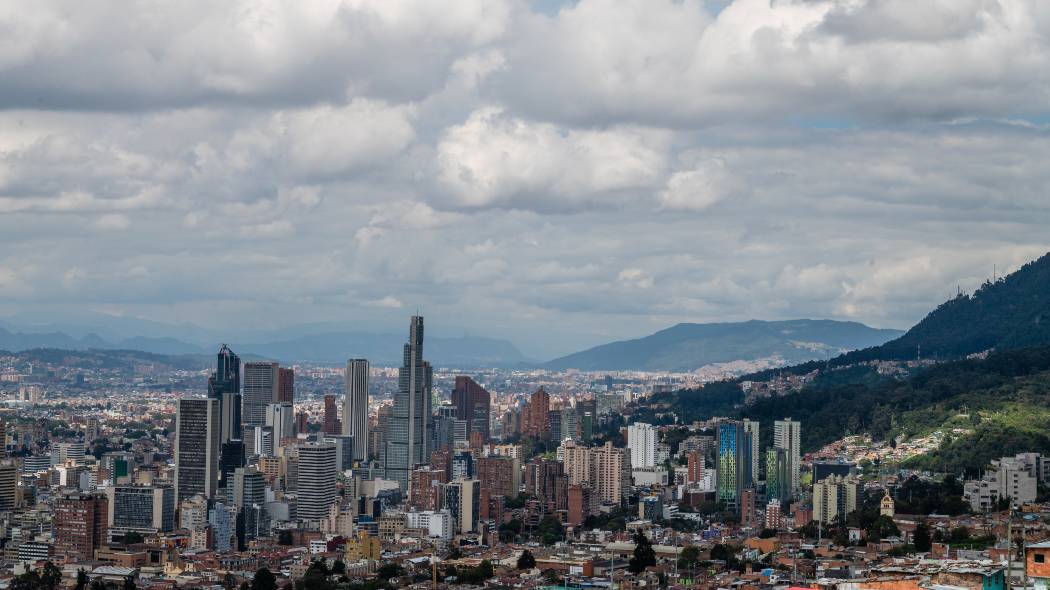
(686, 347)
(331, 347)
(387, 349)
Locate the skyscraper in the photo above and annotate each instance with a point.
(778, 475)
(224, 385)
(285, 386)
(261, 381)
(355, 407)
(751, 428)
(281, 417)
(196, 448)
(641, 439)
(787, 437)
(538, 408)
(331, 416)
(248, 497)
(316, 480)
(734, 463)
(473, 404)
(407, 436)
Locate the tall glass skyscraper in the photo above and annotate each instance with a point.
(225, 386)
(407, 436)
(734, 463)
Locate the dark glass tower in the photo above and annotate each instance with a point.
(225, 386)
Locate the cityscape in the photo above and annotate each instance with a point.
(525, 295)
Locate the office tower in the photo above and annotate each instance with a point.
(778, 476)
(224, 385)
(330, 425)
(281, 418)
(734, 463)
(285, 386)
(554, 424)
(463, 501)
(249, 501)
(473, 404)
(835, 497)
(570, 424)
(260, 382)
(407, 437)
(355, 407)
(641, 439)
(222, 518)
(3, 435)
(751, 428)
(787, 436)
(538, 408)
(316, 481)
(196, 448)
(231, 457)
(64, 452)
(8, 485)
(80, 523)
(344, 450)
(262, 441)
(144, 509)
(463, 465)
(587, 426)
(501, 476)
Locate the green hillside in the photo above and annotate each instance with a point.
(1004, 401)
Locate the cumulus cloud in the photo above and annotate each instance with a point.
(494, 159)
(559, 177)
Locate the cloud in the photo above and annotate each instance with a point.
(112, 222)
(494, 159)
(561, 177)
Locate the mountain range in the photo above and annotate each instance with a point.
(686, 347)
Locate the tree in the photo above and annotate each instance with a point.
(132, 538)
(339, 567)
(550, 530)
(390, 570)
(264, 580)
(689, 558)
(526, 561)
(96, 584)
(51, 576)
(921, 538)
(82, 580)
(767, 534)
(129, 583)
(644, 555)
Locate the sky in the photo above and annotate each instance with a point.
(555, 173)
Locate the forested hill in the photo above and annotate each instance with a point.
(1002, 403)
(1012, 312)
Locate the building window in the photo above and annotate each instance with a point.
(1039, 557)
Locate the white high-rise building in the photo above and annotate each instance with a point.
(787, 436)
(316, 481)
(355, 407)
(641, 439)
(281, 418)
(751, 428)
